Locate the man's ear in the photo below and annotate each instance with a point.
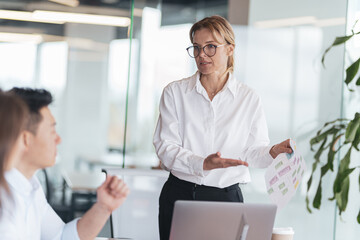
(27, 139)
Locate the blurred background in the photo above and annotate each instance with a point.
(107, 61)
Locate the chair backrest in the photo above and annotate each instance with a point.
(137, 218)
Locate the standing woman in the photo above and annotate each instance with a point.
(211, 127)
(13, 119)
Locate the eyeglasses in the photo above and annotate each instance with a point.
(209, 50)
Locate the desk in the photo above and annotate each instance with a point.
(116, 160)
(83, 190)
(141, 205)
(79, 181)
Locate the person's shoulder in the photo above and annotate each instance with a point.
(6, 198)
(8, 215)
(9, 210)
(181, 84)
(245, 90)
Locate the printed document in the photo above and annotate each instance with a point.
(284, 175)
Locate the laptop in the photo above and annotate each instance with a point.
(199, 220)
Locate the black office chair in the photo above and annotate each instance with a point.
(61, 207)
(67, 210)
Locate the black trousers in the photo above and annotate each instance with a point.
(176, 189)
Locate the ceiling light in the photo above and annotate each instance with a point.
(330, 22)
(285, 22)
(23, 16)
(309, 20)
(20, 37)
(81, 18)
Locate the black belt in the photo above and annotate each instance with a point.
(183, 183)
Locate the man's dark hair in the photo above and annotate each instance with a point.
(35, 99)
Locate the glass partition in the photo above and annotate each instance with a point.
(346, 226)
(283, 54)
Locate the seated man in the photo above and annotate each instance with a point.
(26, 214)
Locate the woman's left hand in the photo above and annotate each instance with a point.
(283, 147)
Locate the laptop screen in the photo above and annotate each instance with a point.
(198, 220)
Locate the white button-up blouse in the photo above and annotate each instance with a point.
(191, 127)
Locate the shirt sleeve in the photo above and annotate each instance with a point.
(257, 148)
(52, 227)
(70, 231)
(168, 143)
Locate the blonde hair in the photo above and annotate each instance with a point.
(220, 25)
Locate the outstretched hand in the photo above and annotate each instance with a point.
(112, 193)
(215, 161)
(283, 147)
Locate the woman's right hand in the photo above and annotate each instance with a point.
(215, 161)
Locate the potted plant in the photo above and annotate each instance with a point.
(340, 134)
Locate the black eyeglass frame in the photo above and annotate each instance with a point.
(203, 48)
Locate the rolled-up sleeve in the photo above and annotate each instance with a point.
(168, 143)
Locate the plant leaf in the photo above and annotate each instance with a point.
(321, 137)
(331, 156)
(344, 164)
(317, 198)
(352, 71)
(343, 172)
(339, 202)
(320, 150)
(337, 126)
(356, 141)
(352, 128)
(332, 151)
(358, 217)
(307, 204)
(336, 120)
(314, 166)
(341, 40)
(318, 195)
(309, 183)
(310, 179)
(337, 41)
(340, 178)
(342, 197)
(324, 170)
(358, 82)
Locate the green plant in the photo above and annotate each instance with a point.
(335, 135)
